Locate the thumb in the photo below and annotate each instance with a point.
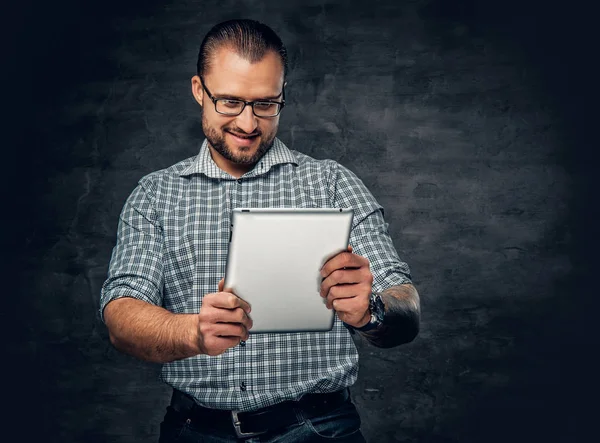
(221, 284)
(349, 248)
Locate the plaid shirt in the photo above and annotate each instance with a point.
(171, 249)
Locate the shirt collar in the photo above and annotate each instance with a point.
(277, 154)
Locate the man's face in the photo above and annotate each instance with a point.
(239, 142)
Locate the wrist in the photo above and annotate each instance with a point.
(364, 320)
(190, 333)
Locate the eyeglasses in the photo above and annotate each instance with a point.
(233, 107)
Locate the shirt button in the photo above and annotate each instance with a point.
(243, 386)
(239, 180)
(242, 343)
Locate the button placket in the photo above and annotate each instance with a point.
(241, 369)
(234, 194)
(236, 198)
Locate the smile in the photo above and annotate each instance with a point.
(243, 139)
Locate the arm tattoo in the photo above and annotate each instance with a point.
(402, 317)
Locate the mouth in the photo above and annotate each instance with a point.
(243, 139)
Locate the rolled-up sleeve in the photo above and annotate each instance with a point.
(370, 237)
(136, 265)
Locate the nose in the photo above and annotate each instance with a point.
(247, 121)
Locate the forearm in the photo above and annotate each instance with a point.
(402, 317)
(149, 332)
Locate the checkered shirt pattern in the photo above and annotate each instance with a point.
(171, 249)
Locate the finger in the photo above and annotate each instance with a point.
(350, 307)
(344, 296)
(340, 292)
(228, 300)
(234, 316)
(218, 318)
(358, 295)
(340, 277)
(230, 330)
(221, 284)
(335, 305)
(330, 264)
(339, 306)
(343, 260)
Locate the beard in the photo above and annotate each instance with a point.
(217, 141)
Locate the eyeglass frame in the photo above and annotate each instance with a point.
(246, 103)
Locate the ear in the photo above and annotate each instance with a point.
(197, 89)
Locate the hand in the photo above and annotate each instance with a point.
(347, 285)
(223, 321)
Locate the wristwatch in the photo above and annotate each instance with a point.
(377, 309)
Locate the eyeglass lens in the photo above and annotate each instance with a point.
(235, 107)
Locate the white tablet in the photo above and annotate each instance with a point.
(274, 262)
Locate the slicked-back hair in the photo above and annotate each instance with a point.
(250, 39)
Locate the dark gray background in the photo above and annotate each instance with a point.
(466, 119)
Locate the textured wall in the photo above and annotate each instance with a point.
(466, 121)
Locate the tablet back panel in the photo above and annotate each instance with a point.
(274, 262)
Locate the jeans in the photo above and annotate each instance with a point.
(339, 425)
